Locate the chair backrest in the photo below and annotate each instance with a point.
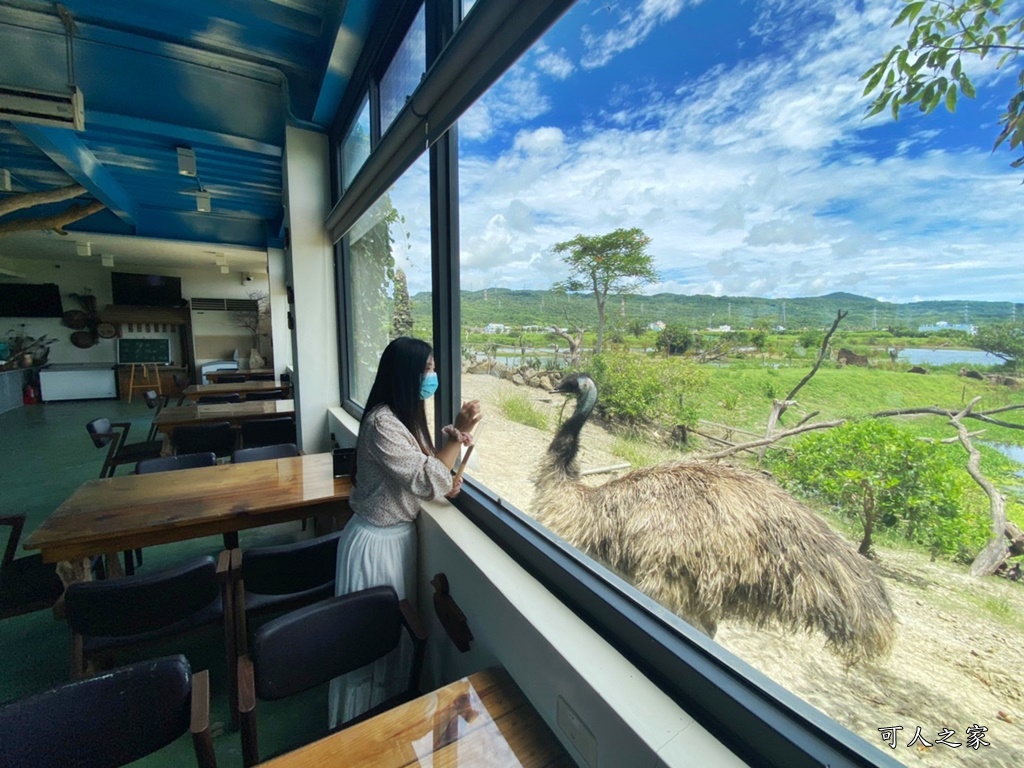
(108, 720)
(257, 432)
(101, 432)
(172, 463)
(218, 399)
(312, 645)
(137, 604)
(231, 378)
(217, 437)
(261, 377)
(291, 568)
(267, 394)
(260, 453)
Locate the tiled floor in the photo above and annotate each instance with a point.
(45, 454)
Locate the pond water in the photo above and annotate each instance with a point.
(947, 357)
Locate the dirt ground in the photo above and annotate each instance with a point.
(959, 656)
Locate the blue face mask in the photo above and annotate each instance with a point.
(428, 385)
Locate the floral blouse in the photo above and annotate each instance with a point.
(393, 474)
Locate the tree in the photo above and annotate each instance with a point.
(1004, 340)
(402, 320)
(254, 319)
(675, 339)
(616, 263)
(928, 69)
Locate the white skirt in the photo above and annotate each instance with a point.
(372, 556)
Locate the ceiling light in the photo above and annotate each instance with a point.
(220, 260)
(186, 161)
(5, 180)
(107, 260)
(83, 249)
(224, 269)
(203, 202)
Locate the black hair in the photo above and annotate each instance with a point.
(397, 386)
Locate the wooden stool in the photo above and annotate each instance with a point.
(144, 379)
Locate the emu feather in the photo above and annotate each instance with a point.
(713, 542)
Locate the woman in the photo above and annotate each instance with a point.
(396, 469)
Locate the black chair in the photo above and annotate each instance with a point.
(311, 645)
(172, 463)
(267, 394)
(217, 437)
(112, 719)
(279, 451)
(27, 583)
(111, 618)
(231, 378)
(262, 377)
(181, 383)
(155, 402)
(257, 432)
(269, 580)
(219, 399)
(114, 437)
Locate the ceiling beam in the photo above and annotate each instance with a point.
(181, 134)
(76, 160)
(341, 50)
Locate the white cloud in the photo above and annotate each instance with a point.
(757, 177)
(557, 65)
(635, 24)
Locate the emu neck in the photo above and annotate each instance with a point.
(565, 446)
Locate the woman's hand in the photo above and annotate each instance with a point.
(456, 487)
(468, 417)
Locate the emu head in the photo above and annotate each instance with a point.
(583, 388)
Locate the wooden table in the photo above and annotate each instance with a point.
(480, 720)
(131, 511)
(248, 373)
(235, 413)
(195, 391)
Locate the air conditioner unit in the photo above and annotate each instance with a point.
(64, 110)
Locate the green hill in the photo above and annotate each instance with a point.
(546, 308)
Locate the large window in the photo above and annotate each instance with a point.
(355, 147)
(389, 267)
(733, 155)
(404, 71)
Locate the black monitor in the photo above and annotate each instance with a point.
(30, 300)
(145, 290)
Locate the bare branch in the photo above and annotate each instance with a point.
(822, 354)
(56, 222)
(768, 440)
(30, 199)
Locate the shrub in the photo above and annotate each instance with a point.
(884, 477)
(644, 389)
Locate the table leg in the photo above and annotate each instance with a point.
(72, 571)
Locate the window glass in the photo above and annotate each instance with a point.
(724, 147)
(389, 264)
(404, 72)
(356, 146)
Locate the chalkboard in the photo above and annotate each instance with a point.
(144, 351)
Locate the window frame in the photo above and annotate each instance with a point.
(757, 719)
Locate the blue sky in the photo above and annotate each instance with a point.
(733, 133)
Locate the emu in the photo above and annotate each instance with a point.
(711, 542)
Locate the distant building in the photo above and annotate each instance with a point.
(658, 325)
(942, 325)
(495, 328)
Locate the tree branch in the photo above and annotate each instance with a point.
(30, 199)
(56, 222)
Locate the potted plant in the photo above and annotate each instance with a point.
(25, 350)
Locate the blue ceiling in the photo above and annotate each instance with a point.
(223, 77)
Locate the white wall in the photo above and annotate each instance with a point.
(87, 277)
(310, 272)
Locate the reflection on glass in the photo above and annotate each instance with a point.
(389, 263)
(404, 72)
(356, 146)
